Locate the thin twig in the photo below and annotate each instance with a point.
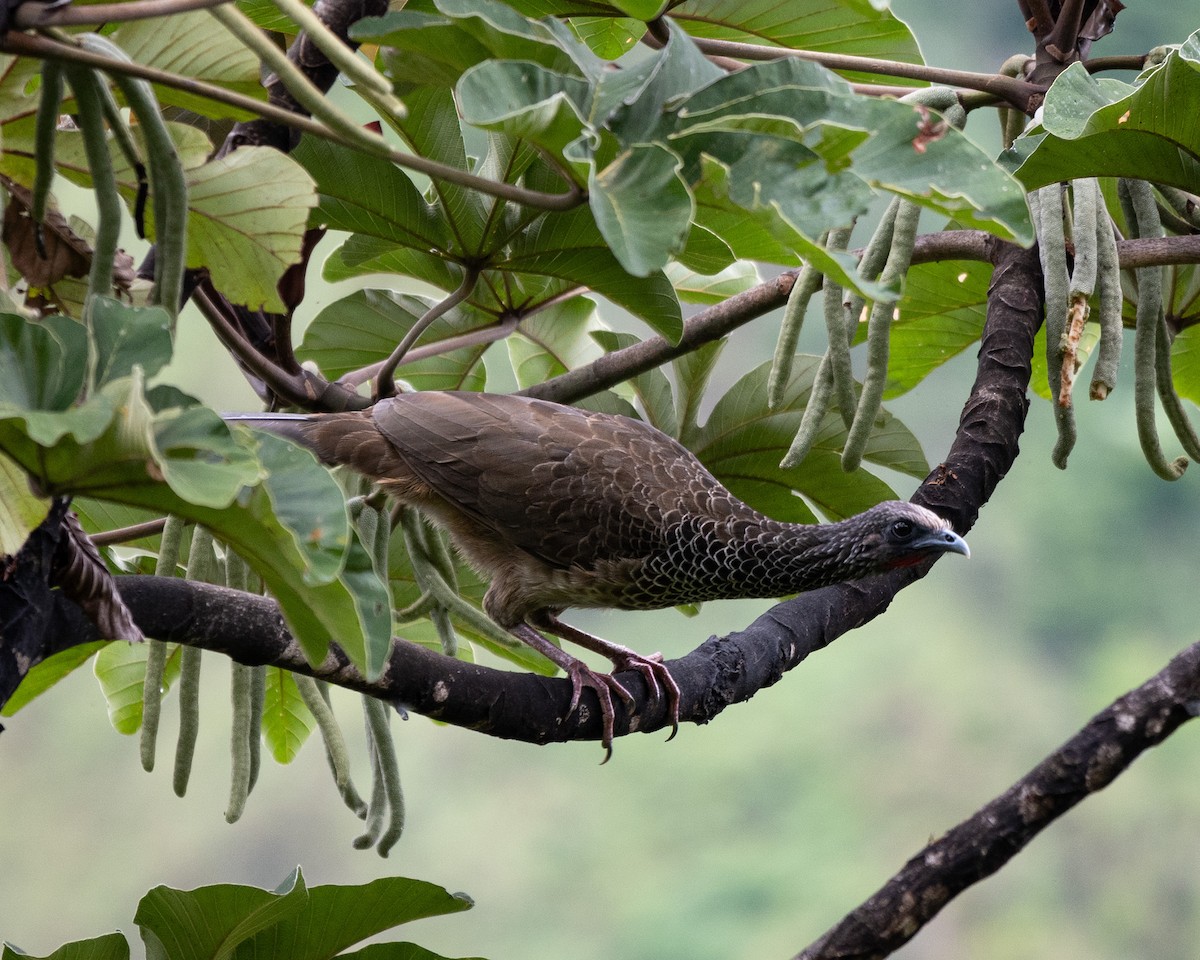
(151, 528)
(1016, 92)
(480, 337)
(385, 384)
(29, 16)
(1133, 62)
(292, 387)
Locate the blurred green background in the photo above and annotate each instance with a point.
(748, 837)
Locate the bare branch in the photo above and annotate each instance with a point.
(34, 14)
(385, 385)
(481, 336)
(1014, 91)
(986, 841)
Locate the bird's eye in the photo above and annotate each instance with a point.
(902, 529)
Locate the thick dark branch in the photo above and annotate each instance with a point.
(982, 844)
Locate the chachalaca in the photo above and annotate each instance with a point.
(561, 507)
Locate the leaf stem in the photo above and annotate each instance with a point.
(385, 385)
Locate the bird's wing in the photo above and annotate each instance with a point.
(569, 486)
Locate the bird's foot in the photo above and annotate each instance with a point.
(657, 677)
(582, 676)
(652, 669)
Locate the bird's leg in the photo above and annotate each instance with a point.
(658, 678)
(581, 676)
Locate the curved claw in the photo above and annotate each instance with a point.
(658, 678)
(605, 685)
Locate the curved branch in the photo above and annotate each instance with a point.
(1017, 92)
(385, 385)
(986, 841)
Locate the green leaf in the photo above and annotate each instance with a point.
(759, 231)
(20, 510)
(427, 49)
(46, 674)
(1098, 128)
(554, 340)
(642, 207)
(361, 255)
(209, 923)
(705, 253)
(642, 9)
(1183, 282)
(570, 247)
(336, 917)
(838, 26)
(42, 363)
(193, 45)
(121, 670)
(711, 289)
(99, 515)
(363, 329)
(692, 372)
(433, 130)
(395, 951)
(526, 101)
(941, 314)
(198, 458)
(20, 91)
(125, 335)
(110, 946)
(370, 196)
(743, 441)
(287, 722)
(247, 221)
(678, 70)
(608, 37)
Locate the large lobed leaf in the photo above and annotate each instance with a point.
(674, 152)
(269, 500)
(1101, 127)
(294, 920)
(743, 441)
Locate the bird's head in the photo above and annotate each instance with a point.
(898, 534)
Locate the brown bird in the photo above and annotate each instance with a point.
(560, 507)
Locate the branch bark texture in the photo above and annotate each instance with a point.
(983, 843)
